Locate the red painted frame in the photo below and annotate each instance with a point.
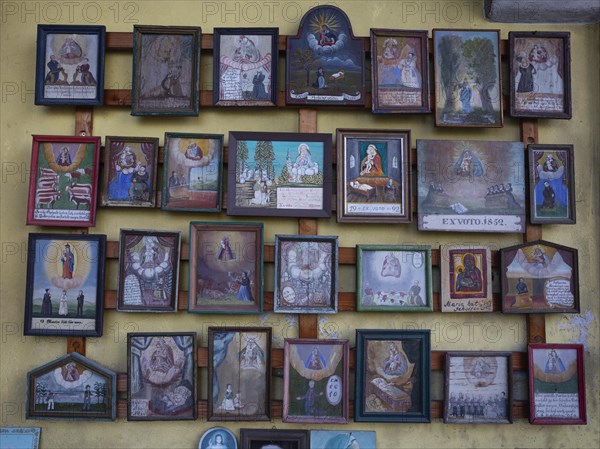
(37, 141)
(580, 384)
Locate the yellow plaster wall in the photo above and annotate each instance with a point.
(20, 118)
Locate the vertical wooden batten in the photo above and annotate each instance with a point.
(536, 323)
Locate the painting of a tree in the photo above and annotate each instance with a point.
(467, 73)
(450, 62)
(264, 157)
(241, 159)
(481, 58)
(304, 59)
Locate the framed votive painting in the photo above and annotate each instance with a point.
(540, 74)
(148, 271)
(245, 72)
(64, 295)
(316, 381)
(392, 376)
(72, 387)
(306, 269)
(467, 78)
(161, 376)
(539, 277)
(355, 439)
(399, 71)
(478, 388)
(218, 438)
(556, 384)
(325, 63)
(551, 184)
(63, 182)
(471, 186)
(192, 172)
(166, 70)
(239, 373)
(393, 278)
(226, 267)
(130, 166)
(279, 174)
(466, 278)
(374, 182)
(70, 65)
(274, 439)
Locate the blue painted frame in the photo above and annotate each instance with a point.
(40, 68)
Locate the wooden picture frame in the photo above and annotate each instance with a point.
(393, 278)
(274, 439)
(70, 65)
(192, 172)
(161, 376)
(218, 437)
(292, 177)
(63, 177)
(551, 184)
(239, 373)
(478, 388)
(65, 389)
(374, 181)
(469, 92)
(556, 384)
(326, 439)
(539, 277)
(399, 71)
(392, 376)
(64, 295)
(540, 74)
(166, 85)
(312, 289)
(226, 268)
(466, 278)
(315, 376)
(130, 167)
(471, 186)
(148, 270)
(315, 73)
(20, 437)
(246, 72)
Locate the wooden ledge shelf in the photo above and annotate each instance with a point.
(520, 410)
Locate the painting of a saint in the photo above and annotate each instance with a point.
(539, 277)
(457, 191)
(239, 374)
(316, 383)
(467, 70)
(166, 70)
(192, 176)
(551, 169)
(70, 65)
(247, 69)
(466, 279)
(72, 387)
(226, 262)
(399, 69)
(325, 61)
(130, 172)
(64, 181)
(64, 284)
(161, 376)
(540, 74)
